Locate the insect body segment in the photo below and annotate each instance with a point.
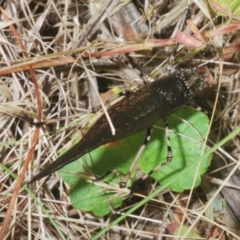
(136, 112)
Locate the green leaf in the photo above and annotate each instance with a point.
(188, 128)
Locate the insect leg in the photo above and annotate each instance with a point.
(169, 151)
(30, 120)
(123, 183)
(168, 159)
(145, 141)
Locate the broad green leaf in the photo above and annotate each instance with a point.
(188, 129)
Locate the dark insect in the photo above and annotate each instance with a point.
(136, 112)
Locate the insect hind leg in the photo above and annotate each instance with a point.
(140, 151)
(123, 183)
(168, 160)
